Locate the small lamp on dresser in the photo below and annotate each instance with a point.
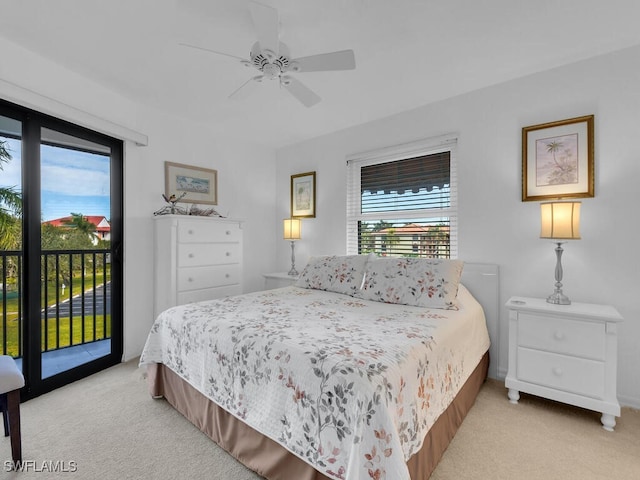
(292, 231)
(559, 221)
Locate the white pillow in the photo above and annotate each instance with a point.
(422, 282)
(334, 273)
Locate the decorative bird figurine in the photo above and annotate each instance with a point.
(171, 209)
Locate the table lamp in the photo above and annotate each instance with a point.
(292, 227)
(560, 221)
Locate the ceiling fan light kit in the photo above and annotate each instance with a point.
(272, 58)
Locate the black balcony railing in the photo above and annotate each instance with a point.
(74, 303)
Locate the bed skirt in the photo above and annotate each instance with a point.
(274, 462)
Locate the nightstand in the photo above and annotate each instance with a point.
(278, 279)
(566, 353)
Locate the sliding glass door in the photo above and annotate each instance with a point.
(62, 315)
(11, 252)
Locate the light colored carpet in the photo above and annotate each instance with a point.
(109, 426)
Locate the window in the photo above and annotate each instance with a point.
(401, 201)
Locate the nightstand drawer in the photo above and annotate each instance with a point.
(559, 335)
(574, 375)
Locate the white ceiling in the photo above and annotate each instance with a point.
(408, 52)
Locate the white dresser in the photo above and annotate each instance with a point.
(566, 353)
(196, 258)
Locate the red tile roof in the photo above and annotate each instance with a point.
(95, 219)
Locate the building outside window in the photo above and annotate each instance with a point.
(401, 201)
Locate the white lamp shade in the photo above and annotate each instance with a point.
(292, 228)
(560, 220)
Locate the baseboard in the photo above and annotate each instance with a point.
(626, 401)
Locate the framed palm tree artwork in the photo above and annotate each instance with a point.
(557, 160)
(303, 195)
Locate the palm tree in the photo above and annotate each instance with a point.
(10, 208)
(564, 170)
(391, 239)
(553, 147)
(80, 223)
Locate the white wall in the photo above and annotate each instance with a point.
(246, 173)
(246, 182)
(495, 225)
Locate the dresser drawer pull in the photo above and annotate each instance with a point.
(228, 254)
(226, 275)
(191, 255)
(190, 279)
(559, 335)
(228, 232)
(557, 371)
(190, 232)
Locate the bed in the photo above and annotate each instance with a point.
(364, 369)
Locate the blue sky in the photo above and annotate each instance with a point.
(72, 181)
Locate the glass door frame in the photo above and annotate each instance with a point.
(32, 125)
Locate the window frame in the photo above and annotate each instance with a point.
(425, 147)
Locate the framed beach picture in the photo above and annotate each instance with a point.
(557, 160)
(303, 195)
(197, 184)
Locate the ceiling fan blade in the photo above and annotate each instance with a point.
(265, 22)
(212, 51)
(342, 60)
(244, 90)
(300, 91)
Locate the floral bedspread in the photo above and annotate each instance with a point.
(350, 386)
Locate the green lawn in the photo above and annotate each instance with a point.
(63, 327)
(10, 334)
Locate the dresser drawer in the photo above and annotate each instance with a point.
(208, 294)
(574, 375)
(202, 254)
(200, 232)
(570, 337)
(196, 278)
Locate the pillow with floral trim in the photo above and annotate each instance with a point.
(421, 282)
(334, 273)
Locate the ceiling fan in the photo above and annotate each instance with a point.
(273, 60)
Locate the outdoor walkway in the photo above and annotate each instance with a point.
(57, 361)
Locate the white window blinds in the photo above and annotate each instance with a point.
(401, 201)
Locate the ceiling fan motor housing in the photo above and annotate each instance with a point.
(268, 62)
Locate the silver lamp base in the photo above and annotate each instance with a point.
(293, 272)
(557, 297)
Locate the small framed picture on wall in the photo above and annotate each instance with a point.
(557, 160)
(193, 184)
(303, 195)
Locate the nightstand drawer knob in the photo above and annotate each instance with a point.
(228, 254)
(557, 371)
(559, 335)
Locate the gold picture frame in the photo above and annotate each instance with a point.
(303, 195)
(194, 184)
(557, 159)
